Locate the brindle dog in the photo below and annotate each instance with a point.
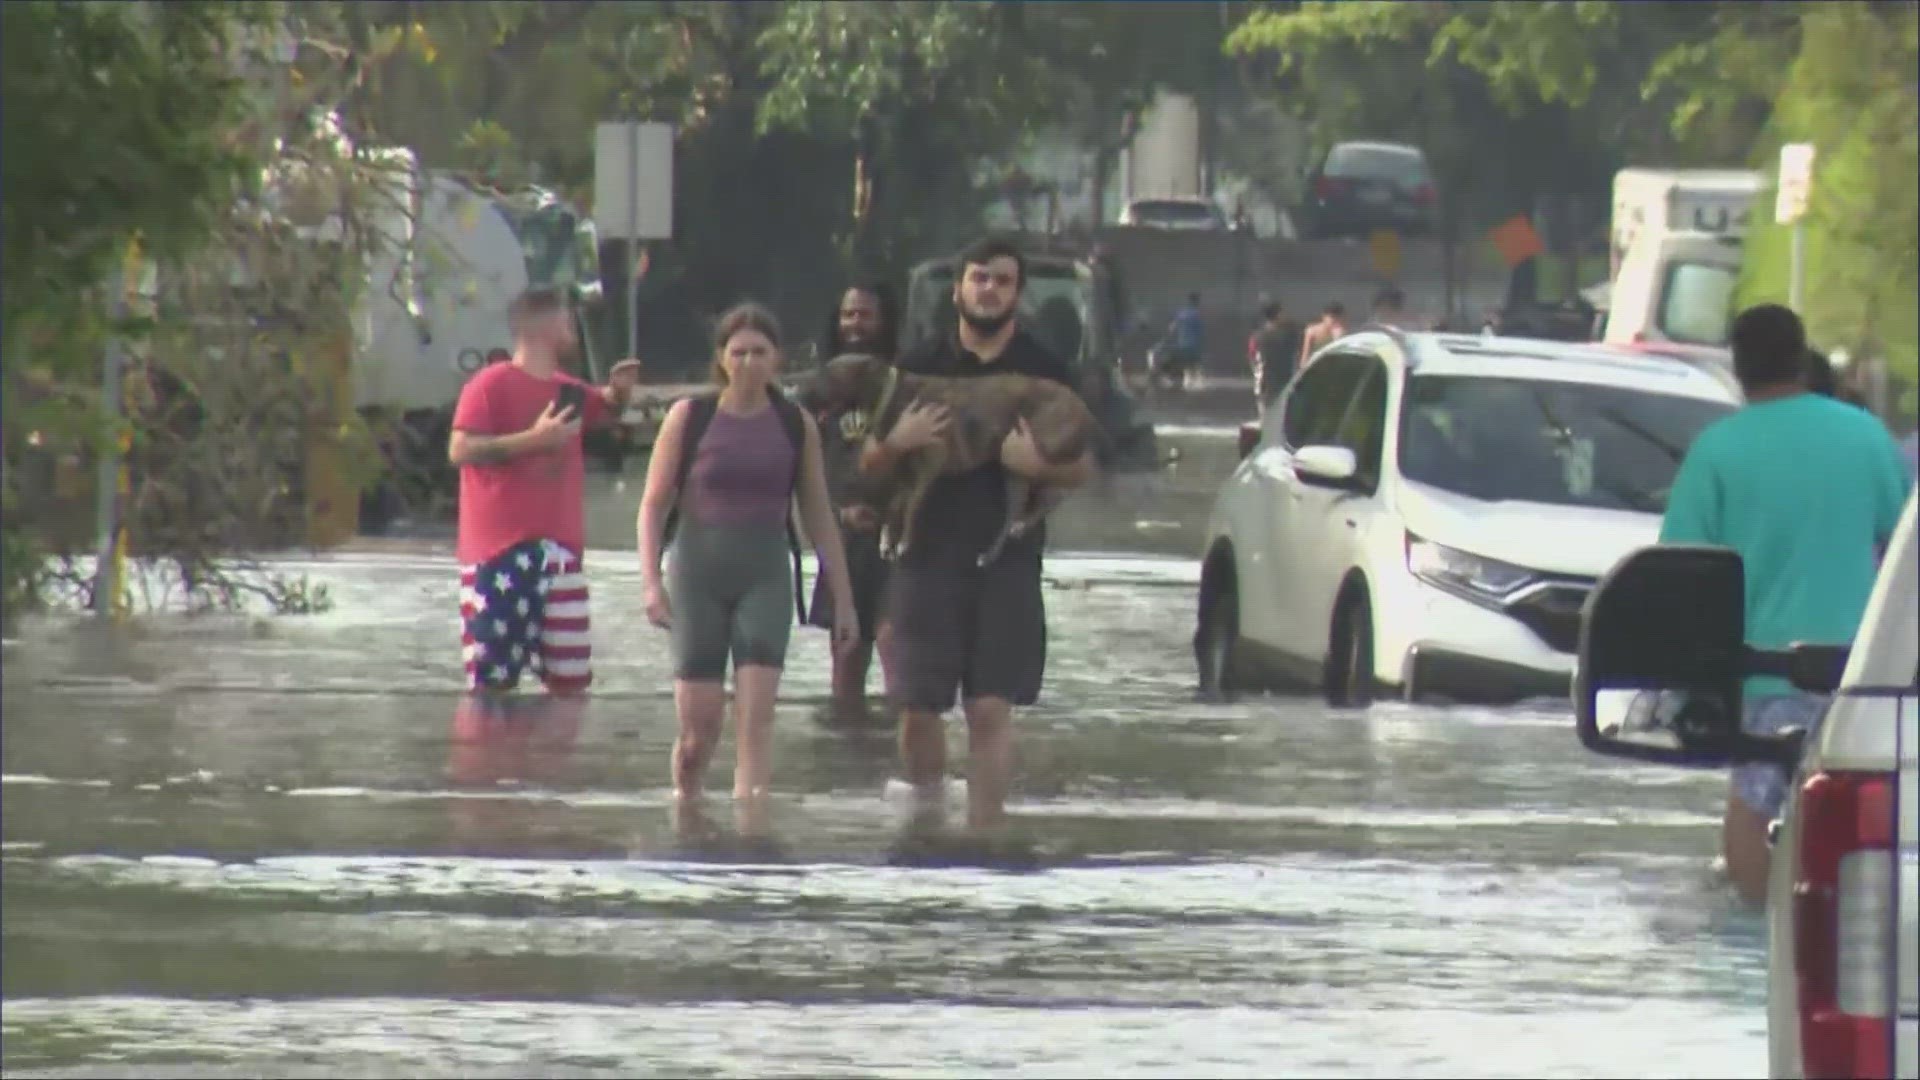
(981, 412)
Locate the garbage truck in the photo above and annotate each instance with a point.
(435, 312)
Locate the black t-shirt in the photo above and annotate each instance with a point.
(962, 514)
(1278, 348)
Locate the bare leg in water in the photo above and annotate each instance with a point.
(700, 707)
(923, 752)
(1743, 840)
(754, 689)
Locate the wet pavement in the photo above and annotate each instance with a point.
(242, 847)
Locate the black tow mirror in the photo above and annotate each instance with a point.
(1662, 658)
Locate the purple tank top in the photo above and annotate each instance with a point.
(743, 473)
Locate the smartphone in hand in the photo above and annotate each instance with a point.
(572, 397)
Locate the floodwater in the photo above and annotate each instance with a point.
(278, 847)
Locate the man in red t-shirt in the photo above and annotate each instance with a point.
(516, 440)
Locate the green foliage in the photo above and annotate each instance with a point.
(1369, 69)
(147, 90)
(118, 124)
(143, 127)
(1851, 92)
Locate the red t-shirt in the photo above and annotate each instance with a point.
(536, 496)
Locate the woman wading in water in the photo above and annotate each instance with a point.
(726, 469)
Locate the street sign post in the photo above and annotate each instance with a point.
(633, 192)
(1792, 193)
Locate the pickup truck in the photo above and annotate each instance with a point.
(1844, 896)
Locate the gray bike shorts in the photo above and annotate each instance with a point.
(731, 588)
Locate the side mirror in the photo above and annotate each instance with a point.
(1662, 659)
(1326, 466)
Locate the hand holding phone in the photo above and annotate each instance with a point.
(571, 400)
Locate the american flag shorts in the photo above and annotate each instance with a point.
(526, 608)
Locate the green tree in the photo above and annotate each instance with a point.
(119, 119)
(150, 123)
(1850, 91)
(918, 93)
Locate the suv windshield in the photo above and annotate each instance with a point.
(1563, 443)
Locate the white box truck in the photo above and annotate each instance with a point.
(1675, 256)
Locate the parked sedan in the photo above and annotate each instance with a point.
(1427, 513)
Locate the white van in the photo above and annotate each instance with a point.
(1844, 899)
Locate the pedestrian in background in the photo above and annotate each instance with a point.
(1331, 327)
(1269, 355)
(866, 321)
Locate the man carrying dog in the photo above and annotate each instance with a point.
(956, 628)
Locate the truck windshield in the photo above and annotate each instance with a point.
(1696, 303)
(548, 237)
(1561, 443)
(1056, 306)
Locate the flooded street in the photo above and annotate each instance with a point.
(241, 847)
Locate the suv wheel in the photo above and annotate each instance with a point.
(1216, 644)
(1349, 669)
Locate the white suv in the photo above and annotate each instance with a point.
(1843, 899)
(1429, 511)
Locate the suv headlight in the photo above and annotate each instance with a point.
(1464, 574)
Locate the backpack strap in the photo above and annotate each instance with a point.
(795, 423)
(699, 417)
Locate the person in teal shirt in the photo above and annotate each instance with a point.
(1807, 489)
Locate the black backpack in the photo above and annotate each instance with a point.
(699, 416)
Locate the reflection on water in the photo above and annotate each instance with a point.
(238, 852)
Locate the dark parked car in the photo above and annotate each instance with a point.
(1362, 187)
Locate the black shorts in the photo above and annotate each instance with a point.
(968, 633)
(868, 574)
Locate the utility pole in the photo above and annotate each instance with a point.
(109, 551)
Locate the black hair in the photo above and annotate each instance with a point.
(985, 250)
(1271, 312)
(1819, 374)
(1390, 297)
(1769, 347)
(889, 303)
(1336, 309)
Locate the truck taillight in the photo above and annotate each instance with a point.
(1424, 195)
(1328, 186)
(1843, 897)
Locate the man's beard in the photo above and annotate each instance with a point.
(985, 324)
